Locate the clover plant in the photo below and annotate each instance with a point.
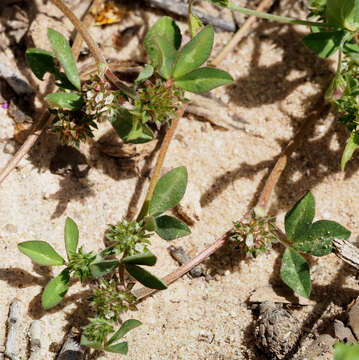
(346, 351)
(128, 251)
(302, 235)
(159, 89)
(155, 100)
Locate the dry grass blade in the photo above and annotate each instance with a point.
(241, 33)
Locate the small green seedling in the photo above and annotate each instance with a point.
(128, 251)
(301, 236)
(72, 119)
(346, 351)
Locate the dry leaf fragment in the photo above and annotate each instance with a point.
(109, 13)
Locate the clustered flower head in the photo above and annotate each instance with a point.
(97, 330)
(110, 300)
(101, 101)
(130, 237)
(80, 264)
(255, 235)
(157, 103)
(73, 127)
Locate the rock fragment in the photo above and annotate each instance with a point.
(13, 77)
(35, 341)
(343, 333)
(354, 318)
(180, 255)
(13, 323)
(72, 350)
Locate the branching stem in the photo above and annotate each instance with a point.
(263, 202)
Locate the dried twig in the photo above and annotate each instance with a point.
(347, 252)
(181, 9)
(12, 323)
(44, 117)
(72, 350)
(35, 340)
(241, 33)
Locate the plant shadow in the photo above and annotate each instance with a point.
(269, 84)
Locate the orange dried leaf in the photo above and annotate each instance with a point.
(109, 13)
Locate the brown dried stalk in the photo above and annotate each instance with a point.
(94, 49)
(159, 163)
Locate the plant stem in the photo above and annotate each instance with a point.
(159, 163)
(172, 277)
(44, 117)
(121, 274)
(263, 202)
(277, 18)
(265, 4)
(100, 59)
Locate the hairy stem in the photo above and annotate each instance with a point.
(159, 163)
(100, 59)
(44, 117)
(277, 18)
(264, 5)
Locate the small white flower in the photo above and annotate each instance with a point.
(99, 97)
(109, 99)
(90, 94)
(249, 240)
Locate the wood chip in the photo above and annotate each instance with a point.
(12, 323)
(35, 341)
(72, 350)
(354, 318)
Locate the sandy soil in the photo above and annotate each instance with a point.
(277, 80)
